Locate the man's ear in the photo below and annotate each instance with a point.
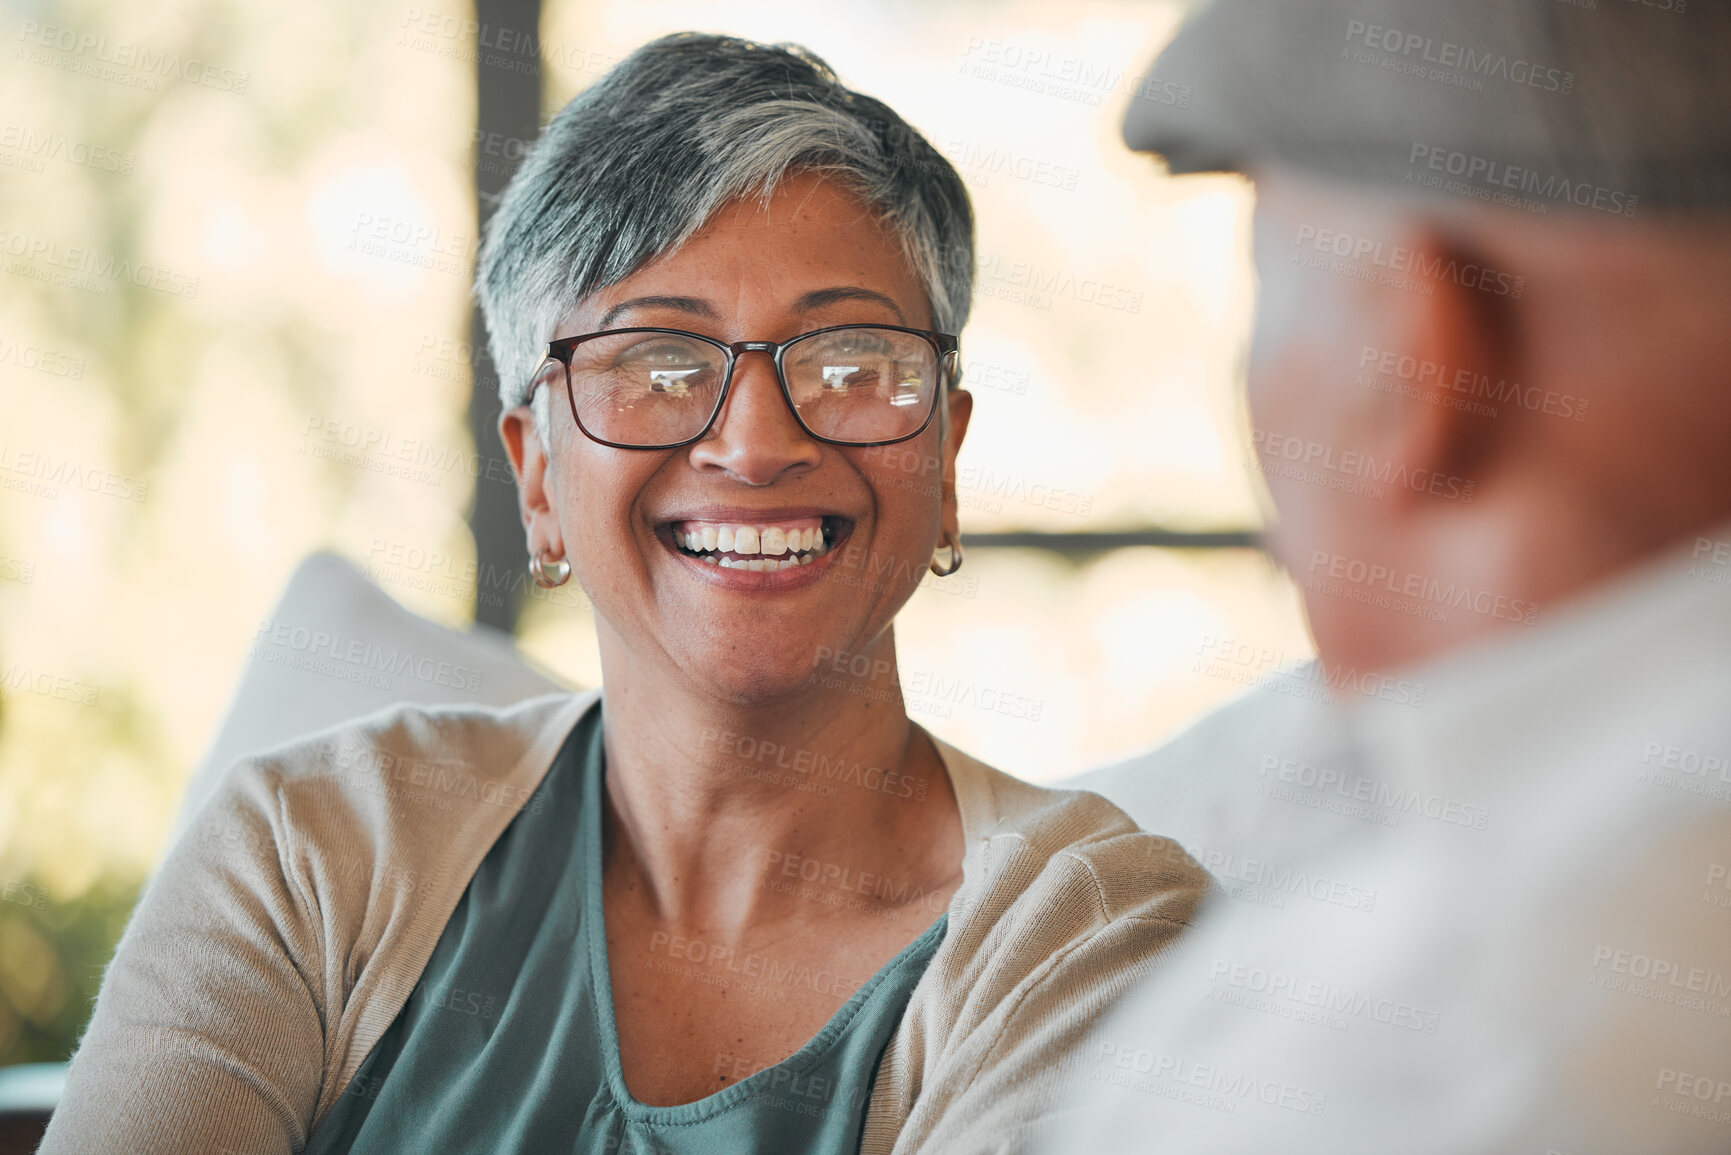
(959, 409)
(535, 498)
(1448, 355)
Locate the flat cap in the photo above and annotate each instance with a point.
(1550, 105)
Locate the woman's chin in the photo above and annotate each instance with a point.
(760, 683)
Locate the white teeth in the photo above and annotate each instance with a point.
(779, 546)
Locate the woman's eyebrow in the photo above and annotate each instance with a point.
(818, 298)
(695, 306)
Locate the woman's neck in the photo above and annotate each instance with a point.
(714, 805)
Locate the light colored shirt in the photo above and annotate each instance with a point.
(289, 925)
(1497, 921)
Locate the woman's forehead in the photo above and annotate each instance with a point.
(810, 248)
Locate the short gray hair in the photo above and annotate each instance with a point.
(637, 163)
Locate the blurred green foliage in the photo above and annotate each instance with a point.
(52, 955)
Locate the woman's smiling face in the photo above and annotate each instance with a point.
(864, 521)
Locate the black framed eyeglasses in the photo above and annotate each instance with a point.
(649, 388)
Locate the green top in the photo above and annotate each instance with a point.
(508, 1043)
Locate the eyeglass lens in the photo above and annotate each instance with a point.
(855, 385)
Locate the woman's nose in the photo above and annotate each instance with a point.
(756, 437)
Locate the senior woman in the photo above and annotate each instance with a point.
(737, 901)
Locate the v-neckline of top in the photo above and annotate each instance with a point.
(606, 1026)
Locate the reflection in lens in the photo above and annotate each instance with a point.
(646, 388)
(862, 385)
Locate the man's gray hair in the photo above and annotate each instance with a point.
(641, 160)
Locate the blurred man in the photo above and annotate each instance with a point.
(1485, 903)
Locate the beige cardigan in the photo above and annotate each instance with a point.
(288, 926)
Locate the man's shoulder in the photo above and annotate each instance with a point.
(1206, 787)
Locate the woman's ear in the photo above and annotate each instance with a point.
(535, 498)
(959, 407)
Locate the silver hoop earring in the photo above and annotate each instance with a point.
(548, 574)
(953, 543)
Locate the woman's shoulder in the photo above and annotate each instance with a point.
(407, 795)
(411, 761)
(1034, 844)
(1064, 905)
